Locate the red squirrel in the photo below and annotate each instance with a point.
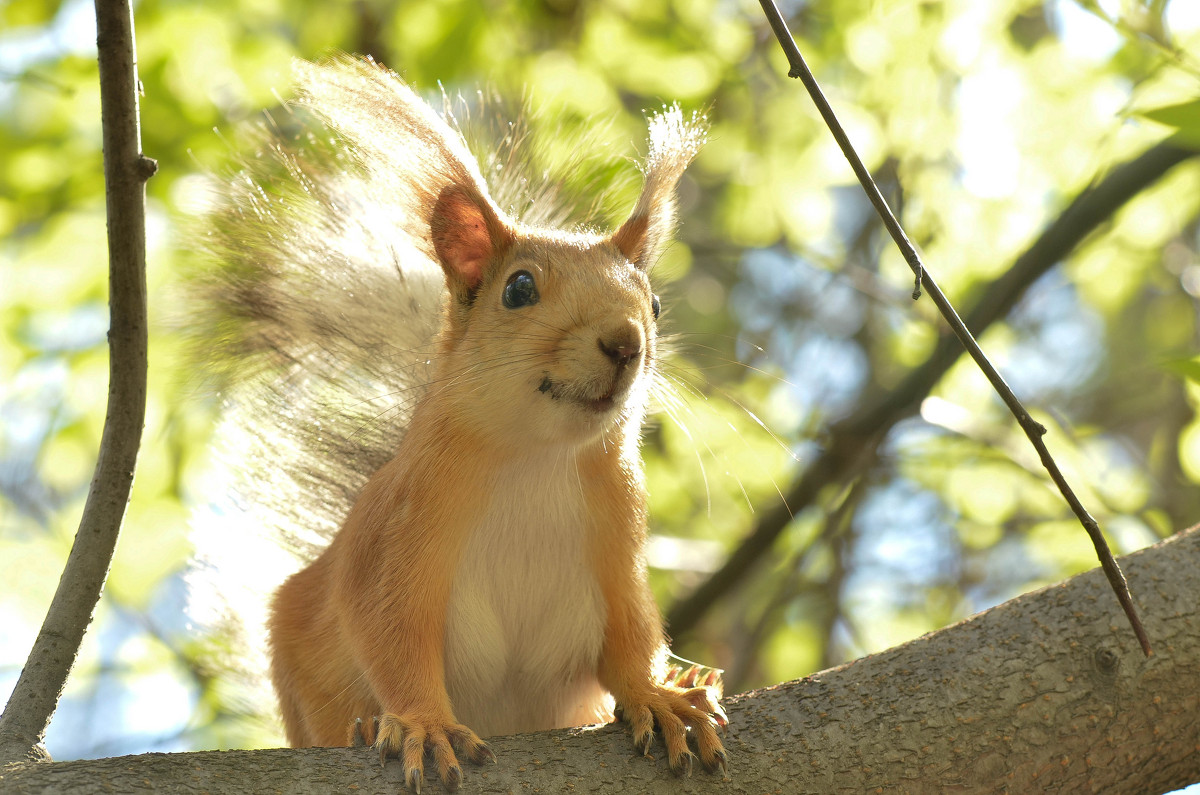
(489, 578)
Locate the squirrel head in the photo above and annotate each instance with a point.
(551, 336)
(548, 335)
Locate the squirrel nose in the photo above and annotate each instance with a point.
(621, 347)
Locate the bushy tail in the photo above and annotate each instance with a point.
(316, 311)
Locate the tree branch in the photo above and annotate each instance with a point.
(1037, 694)
(41, 682)
(852, 440)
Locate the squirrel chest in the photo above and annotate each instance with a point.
(525, 621)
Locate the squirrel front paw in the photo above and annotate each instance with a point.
(410, 737)
(676, 709)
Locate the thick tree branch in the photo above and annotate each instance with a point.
(37, 691)
(1038, 694)
(851, 441)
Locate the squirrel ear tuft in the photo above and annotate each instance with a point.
(467, 235)
(674, 141)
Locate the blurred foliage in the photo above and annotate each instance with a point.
(786, 301)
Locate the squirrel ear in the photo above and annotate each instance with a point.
(467, 235)
(630, 239)
(674, 141)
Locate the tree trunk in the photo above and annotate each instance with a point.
(1047, 692)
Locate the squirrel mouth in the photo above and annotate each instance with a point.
(599, 405)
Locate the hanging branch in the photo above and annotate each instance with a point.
(1032, 428)
(126, 170)
(851, 441)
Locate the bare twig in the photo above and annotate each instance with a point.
(851, 441)
(1033, 430)
(40, 685)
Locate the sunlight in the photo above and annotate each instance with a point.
(991, 97)
(1085, 35)
(989, 100)
(1182, 16)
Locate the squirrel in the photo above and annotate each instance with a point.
(488, 578)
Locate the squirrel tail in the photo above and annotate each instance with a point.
(314, 315)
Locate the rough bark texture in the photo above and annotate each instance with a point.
(1048, 692)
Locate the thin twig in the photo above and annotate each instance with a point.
(851, 441)
(1032, 428)
(36, 694)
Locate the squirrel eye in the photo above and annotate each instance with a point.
(520, 290)
(655, 306)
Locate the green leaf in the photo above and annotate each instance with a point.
(1189, 369)
(1184, 117)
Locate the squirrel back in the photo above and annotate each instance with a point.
(358, 302)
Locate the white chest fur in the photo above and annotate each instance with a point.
(526, 617)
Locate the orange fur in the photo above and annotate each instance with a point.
(494, 567)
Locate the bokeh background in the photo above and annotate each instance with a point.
(981, 118)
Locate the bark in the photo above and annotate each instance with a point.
(36, 693)
(1047, 692)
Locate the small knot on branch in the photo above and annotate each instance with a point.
(1032, 426)
(147, 167)
(914, 263)
(1107, 660)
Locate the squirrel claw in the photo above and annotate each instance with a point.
(643, 736)
(464, 741)
(682, 767)
(721, 763)
(702, 699)
(485, 755)
(412, 738)
(361, 736)
(383, 755)
(675, 711)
